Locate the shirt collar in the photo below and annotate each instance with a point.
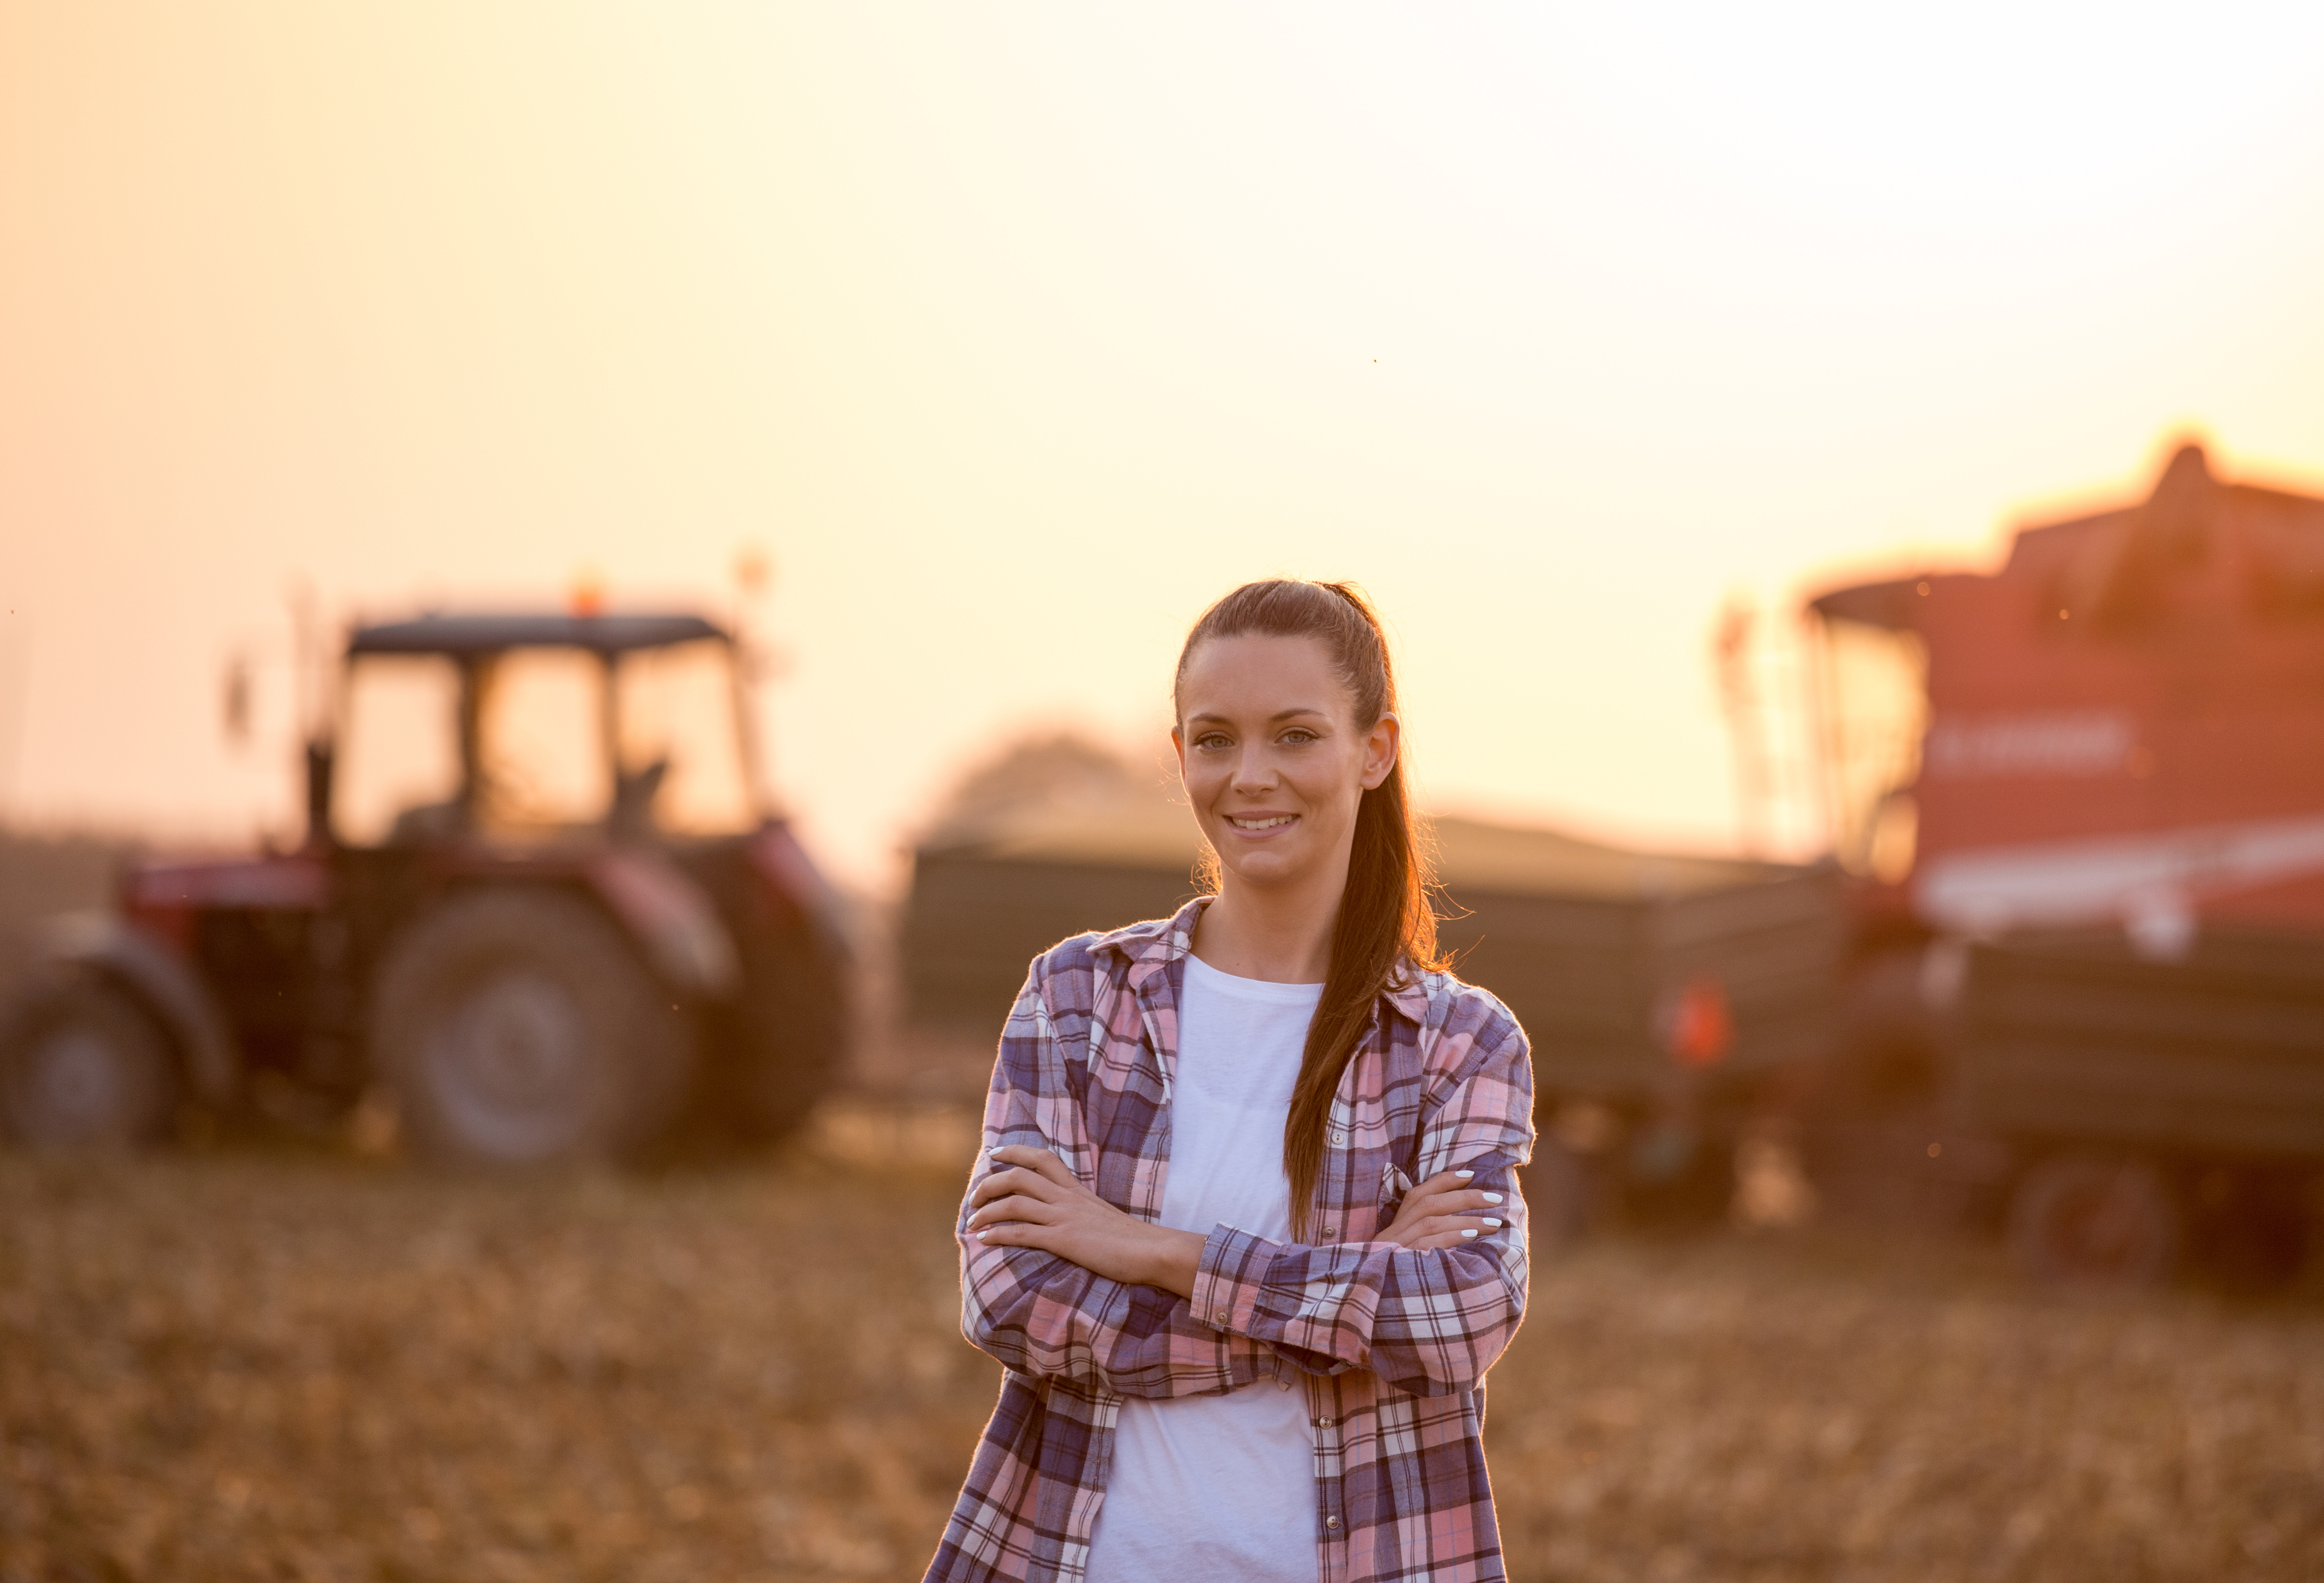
(1151, 947)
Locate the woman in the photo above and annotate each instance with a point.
(1241, 1343)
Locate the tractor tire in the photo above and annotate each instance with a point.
(83, 1067)
(518, 1027)
(2096, 1222)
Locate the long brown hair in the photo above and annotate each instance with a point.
(1385, 927)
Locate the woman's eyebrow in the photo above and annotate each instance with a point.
(1281, 714)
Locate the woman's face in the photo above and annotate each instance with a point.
(1272, 758)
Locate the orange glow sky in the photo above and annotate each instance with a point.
(1016, 333)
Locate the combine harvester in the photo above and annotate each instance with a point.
(2084, 796)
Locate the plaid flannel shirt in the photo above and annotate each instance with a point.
(1390, 1346)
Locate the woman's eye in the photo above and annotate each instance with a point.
(1210, 740)
(1298, 735)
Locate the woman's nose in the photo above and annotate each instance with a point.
(1254, 771)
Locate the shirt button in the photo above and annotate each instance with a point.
(1322, 1423)
(1217, 1316)
(1330, 1522)
(1330, 1231)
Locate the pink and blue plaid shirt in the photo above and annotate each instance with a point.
(1391, 1345)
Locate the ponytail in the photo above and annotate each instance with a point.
(1385, 930)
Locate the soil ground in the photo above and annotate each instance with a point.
(293, 1363)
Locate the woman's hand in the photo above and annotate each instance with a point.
(1444, 1212)
(1034, 1202)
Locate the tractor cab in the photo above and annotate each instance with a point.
(538, 729)
(541, 910)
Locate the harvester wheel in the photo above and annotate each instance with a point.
(2089, 1221)
(82, 1066)
(518, 1028)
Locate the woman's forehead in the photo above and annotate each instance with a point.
(1260, 673)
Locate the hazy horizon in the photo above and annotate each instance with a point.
(1016, 337)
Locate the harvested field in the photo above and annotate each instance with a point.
(275, 1365)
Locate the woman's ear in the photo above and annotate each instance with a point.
(1380, 744)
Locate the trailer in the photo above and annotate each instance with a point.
(2161, 1105)
(1668, 997)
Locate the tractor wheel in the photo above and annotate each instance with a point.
(518, 1028)
(82, 1066)
(2088, 1220)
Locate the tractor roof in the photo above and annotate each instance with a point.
(488, 634)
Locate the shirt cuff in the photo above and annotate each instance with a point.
(1229, 1277)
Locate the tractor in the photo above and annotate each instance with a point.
(540, 915)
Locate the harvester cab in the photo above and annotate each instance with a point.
(540, 908)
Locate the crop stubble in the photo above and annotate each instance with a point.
(254, 1364)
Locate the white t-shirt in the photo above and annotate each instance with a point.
(1221, 1486)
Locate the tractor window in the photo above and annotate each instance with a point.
(682, 754)
(541, 763)
(399, 748)
(1874, 709)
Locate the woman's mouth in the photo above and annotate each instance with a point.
(1260, 823)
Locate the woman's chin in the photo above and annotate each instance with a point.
(1264, 865)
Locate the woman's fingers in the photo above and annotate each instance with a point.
(1444, 1230)
(1455, 1200)
(1014, 1179)
(1445, 1195)
(1040, 1161)
(1016, 1206)
(1452, 1230)
(1016, 1234)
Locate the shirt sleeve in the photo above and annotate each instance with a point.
(1428, 1323)
(1044, 1315)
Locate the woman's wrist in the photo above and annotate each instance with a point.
(1172, 1259)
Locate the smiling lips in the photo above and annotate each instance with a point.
(1261, 823)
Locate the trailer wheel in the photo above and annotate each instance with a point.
(1677, 1178)
(518, 1028)
(1565, 1194)
(2088, 1220)
(82, 1066)
(796, 1037)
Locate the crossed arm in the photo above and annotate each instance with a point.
(1036, 1202)
(1057, 1281)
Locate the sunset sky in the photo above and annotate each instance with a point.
(1016, 333)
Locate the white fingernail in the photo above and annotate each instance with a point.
(1467, 1233)
(1464, 1175)
(1492, 1222)
(1492, 1198)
